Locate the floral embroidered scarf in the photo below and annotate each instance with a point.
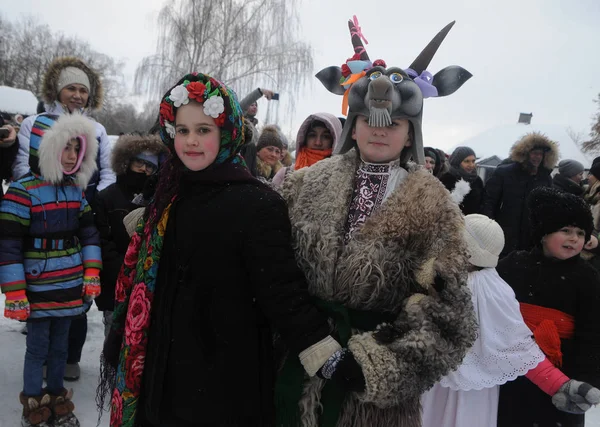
(133, 300)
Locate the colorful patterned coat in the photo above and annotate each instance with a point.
(47, 239)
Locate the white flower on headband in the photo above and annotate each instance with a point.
(170, 129)
(179, 96)
(214, 106)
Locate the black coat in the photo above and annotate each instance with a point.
(471, 204)
(573, 287)
(248, 152)
(567, 185)
(7, 157)
(111, 205)
(227, 278)
(505, 200)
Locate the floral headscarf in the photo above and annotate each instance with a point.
(220, 103)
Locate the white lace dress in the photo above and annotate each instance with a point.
(503, 351)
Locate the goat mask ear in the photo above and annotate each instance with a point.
(450, 79)
(330, 77)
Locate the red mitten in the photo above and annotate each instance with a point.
(17, 306)
(91, 283)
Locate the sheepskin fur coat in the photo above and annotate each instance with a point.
(408, 259)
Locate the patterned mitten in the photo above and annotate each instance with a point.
(17, 306)
(91, 283)
(576, 397)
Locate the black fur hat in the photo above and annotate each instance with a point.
(551, 209)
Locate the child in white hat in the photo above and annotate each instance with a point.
(503, 351)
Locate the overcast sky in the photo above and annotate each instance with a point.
(538, 56)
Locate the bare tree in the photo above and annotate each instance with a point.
(576, 136)
(593, 144)
(243, 43)
(28, 47)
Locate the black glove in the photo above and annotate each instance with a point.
(346, 371)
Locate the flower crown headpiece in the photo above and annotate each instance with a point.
(209, 94)
(218, 101)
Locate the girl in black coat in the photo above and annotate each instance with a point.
(135, 161)
(559, 295)
(216, 277)
(463, 167)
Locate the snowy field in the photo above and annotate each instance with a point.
(12, 351)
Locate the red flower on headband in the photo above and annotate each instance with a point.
(346, 70)
(166, 111)
(379, 63)
(196, 90)
(220, 121)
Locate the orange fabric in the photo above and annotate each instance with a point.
(307, 157)
(548, 327)
(352, 79)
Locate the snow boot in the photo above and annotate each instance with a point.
(72, 372)
(62, 409)
(36, 411)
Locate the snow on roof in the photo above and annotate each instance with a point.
(17, 101)
(498, 141)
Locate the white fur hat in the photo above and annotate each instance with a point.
(485, 240)
(54, 141)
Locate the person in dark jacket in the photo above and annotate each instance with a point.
(569, 177)
(436, 161)
(559, 295)
(463, 167)
(8, 151)
(216, 276)
(135, 161)
(263, 158)
(532, 159)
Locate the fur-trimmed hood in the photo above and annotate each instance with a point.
(129, 146)
(520, 150)
(50, 82)
(54, 142)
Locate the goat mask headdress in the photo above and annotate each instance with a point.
(383, 94)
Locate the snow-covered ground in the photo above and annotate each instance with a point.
(12, 351)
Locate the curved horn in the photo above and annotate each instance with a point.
(422, 62)
(357, 42)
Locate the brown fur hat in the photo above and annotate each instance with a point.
(129, 146)
(50, 82)
(520, 150)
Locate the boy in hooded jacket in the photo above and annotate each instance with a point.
(50, 262)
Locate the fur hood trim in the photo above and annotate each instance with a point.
(266, 171)
(129, 146)
(520, 150)
(54, 142)
(50, 83)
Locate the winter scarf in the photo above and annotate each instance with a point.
(307, 157)
(459, 172)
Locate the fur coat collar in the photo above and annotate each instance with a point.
(381, 265)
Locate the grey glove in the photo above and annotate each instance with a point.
(576, 397)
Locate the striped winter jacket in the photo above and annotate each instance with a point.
(47, 239)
